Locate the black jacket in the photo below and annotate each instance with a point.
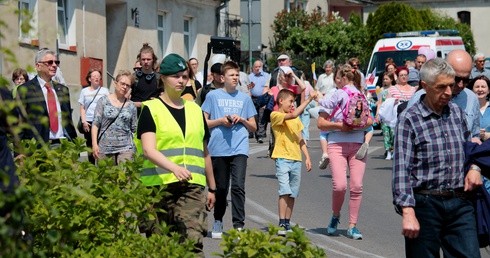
(32, 99)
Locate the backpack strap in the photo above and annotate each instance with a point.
(338, 105)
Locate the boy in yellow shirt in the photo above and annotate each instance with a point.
(287, 128)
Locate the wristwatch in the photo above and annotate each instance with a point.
(475, 167)
(211, 190)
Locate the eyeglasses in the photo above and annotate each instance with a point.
(50, 62)
(124, 84)
(480, 61)
(458, 79)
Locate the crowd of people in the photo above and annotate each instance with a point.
(195, 132)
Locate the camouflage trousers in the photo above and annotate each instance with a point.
(184, 210)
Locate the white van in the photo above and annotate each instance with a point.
(403, 46)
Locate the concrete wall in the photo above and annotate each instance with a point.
(106, 30)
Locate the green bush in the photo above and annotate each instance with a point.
(74, 207)
(69, 208)
(257, 244)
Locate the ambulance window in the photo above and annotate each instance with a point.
(399, 57)
(439, 54)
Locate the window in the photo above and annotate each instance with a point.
(189, 37)
(62, 18)
(66, 25)
(162, 27)
(465, 17)
(27, 21)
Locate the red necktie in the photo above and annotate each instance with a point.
(52, 109)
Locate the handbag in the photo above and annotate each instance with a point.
(80, 124)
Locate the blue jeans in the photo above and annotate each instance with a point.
(234, 168)
(447, 223)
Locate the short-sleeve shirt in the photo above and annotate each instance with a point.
(144, 89)
(287, 134)
(260, 80)
(338, 98)
(228, 141)
(89, 102)
(396, 92)
(118, 135)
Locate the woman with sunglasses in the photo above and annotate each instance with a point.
(88, 100)
(115, 122)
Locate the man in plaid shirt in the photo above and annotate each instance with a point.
(429, 182)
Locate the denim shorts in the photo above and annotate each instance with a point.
(288, 172)
(323, 135)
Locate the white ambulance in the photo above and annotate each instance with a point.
(403, 46)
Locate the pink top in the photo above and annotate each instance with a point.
(396, 92)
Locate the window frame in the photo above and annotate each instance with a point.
(190, 34)
(163, 37)
(68, 10)
(31, 36)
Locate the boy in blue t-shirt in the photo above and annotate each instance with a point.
(230, 115)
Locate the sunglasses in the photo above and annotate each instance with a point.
(465, 80)
(50, 62)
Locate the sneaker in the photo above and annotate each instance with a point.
(259, 140)
(388, 155)
(217, 229)
(324, 161)
(288, 228)
(332, 227)
(354, 233)
(361, 153)
(282, 230)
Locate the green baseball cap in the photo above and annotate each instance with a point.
(172, 64)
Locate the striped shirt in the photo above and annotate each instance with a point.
(429, 151)
(397, 92)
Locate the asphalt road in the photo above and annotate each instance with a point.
(378, 222)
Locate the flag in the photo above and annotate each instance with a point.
(313, 71)
(370, 78)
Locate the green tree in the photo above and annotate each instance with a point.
(291, 23)
(315, 37)
(400, 17)
(392, 17)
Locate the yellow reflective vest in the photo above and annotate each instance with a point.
(184, 150)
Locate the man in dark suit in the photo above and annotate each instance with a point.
(46, 103)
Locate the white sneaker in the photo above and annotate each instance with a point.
(217, 230)
(388, 155)
(361, 153)
(324, 161)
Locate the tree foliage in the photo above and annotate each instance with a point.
(400, 17)
(315, 37)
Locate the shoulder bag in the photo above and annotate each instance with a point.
(80, 124)
(113, 120)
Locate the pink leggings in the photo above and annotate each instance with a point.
(342, 155)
